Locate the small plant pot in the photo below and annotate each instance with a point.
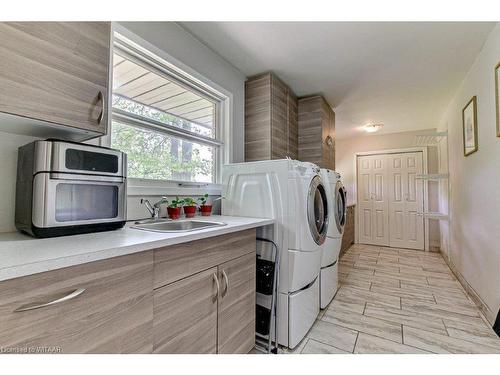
(206, 210)
(190, 211)
(174, 213)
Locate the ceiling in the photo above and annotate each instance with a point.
(401, 74)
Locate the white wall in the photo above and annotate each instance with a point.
(474, 243)
(176, 42)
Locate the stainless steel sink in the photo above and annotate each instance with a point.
(187, 225)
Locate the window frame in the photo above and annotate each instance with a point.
(143, 53)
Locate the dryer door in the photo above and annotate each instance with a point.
(317, 210)
(340, 206)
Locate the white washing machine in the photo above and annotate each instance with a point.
(293, 194)
(336, 197)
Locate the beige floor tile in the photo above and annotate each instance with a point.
(449, 284)
(410, 261)
(410, 253)
(334, 335)
(378, 267)
(457, 301)
(363, 323)
(435, 290)
(378, 280)
(439, 308)
(470, 325)
(399, 292)
(369, 296)
(316, 347)
(407, 270)
(437, 343)
(360, 284)
(406, 317)
(404, 268)
(388, 251)
(388, 292)
(368, 344)
(345, 303)
(346, 264)
(437, 311)
(402, 277)
(477, 337)
(389, 261)
(359, 271)
(436, 267)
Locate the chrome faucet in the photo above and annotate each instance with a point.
(154, 209)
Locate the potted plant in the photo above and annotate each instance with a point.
(174, 208)
(206, 209)
(189, 207)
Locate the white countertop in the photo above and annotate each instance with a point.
(22, 255)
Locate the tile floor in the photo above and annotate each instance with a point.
(398, 301)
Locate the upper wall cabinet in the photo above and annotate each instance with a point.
(271, 122)
(316, 132)
(56, 75)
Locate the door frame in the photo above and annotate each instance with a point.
(424, 184)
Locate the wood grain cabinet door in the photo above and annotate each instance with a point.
(279, 117)
(56, 72)
(185, 315)
(236, 319)
(114, 314)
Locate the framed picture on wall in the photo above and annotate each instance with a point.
(497, 98)
(469, 120)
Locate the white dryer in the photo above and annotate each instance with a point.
(293, 194)
(336, 197)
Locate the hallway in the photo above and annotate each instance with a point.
(398, 301)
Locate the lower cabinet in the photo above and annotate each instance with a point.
(197, 297)
(107, 309)
(185, 315)
(236, 305)
(212, 311)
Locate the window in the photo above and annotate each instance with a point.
(168, 125)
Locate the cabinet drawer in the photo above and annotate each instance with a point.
(175, 262)
(185, 315)
(236, 324)
(113, 315)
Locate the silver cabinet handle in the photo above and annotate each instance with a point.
(100, 98)
(226, 281)
(38, 305)
(216, 280)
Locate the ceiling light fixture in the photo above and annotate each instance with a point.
(372, 128)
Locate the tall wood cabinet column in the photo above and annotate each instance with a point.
(271, 119)
(316, 124)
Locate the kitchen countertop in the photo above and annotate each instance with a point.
(22, 255)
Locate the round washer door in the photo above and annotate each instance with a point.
(317, 211)
(340, 206)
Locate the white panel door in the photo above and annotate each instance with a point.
(373, 208)
(405, 200)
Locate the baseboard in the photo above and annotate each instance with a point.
(487, 315)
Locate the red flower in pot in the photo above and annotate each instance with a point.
(190, 207)
(174, 208)
(206, 209)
